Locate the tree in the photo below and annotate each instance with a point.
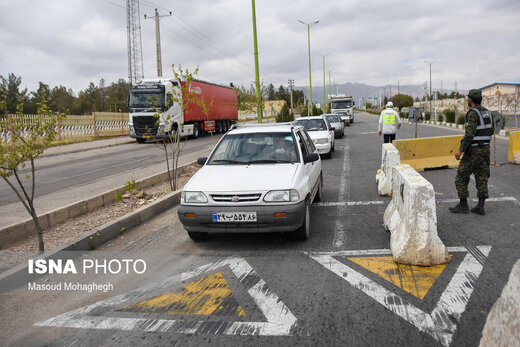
(285, 115)
(172, 142)
(27, 143)
(402, 100)
(61, 99)
(117, 96)
(12, 85)
(270, 92)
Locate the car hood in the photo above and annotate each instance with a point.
(234, 178)
(318, 134)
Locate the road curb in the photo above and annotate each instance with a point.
(18, 275)
(19, 231)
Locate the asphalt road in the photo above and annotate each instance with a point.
(68, 178)
(335, 289)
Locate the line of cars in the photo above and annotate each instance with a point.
(260, 178)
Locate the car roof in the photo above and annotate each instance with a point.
(311, 117)
(246, 128)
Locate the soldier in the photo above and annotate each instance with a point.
(475, 147)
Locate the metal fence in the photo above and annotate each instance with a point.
(74, 127)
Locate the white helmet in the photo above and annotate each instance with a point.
(390, 104)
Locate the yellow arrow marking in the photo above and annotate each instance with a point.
(207, 296)
(416, 280)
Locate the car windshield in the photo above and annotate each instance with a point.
(255, 148)
(332, 118)
(313, 124)
(342, 104)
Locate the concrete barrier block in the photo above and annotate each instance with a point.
(384, 176)
(429, 152)
(412, 220)
(514, 148)
(95, 202)
(58, 216)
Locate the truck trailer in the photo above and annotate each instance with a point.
(154, 96)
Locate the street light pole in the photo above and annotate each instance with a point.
(257, 73)
(324, 92)
(309, 47)
(431, 97)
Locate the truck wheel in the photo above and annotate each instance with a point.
(303, 232)
(141, 140)
(218, 127)
(197, 236)
(196, 130)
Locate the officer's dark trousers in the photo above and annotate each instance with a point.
(388, 138)
(475, 162)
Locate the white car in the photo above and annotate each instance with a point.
(337, 124)
(321, 133)
(258, 178)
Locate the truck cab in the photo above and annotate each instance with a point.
(152, 114)
(344, 106)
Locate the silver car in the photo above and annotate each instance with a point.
(335, 121)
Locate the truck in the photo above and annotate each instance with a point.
(150, 97)
(344, 106)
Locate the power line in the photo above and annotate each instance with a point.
(114, 4)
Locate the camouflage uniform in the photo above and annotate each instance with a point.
(475, 160)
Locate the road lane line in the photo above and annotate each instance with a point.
(383, 202)
(344, 193)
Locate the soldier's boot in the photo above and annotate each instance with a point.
(479, 209)
(462, 207)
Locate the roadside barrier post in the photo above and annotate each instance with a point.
(94, 123)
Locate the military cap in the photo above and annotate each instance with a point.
(475, 94)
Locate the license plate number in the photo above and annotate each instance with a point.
(234, 217)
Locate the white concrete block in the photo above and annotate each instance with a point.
(389, 159)
(412, 220)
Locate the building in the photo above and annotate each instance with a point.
(503, 97)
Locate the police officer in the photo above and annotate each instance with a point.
(389, 122)
(474, 149)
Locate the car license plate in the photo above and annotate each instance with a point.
(234, 217)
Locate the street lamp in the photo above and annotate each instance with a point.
(259, 105)
(431, 97)
(323, 56)
(309, 46)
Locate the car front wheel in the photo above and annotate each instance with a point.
(304, 231)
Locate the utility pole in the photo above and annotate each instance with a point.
(330, 86)
(259, 105)
(324, 101)
(158, 40)
(431, 96)
(309, 46)
(291, 85)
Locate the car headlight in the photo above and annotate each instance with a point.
(322, 141)
(282, 196)
(193, 197)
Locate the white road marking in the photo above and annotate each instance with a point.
(383, 202)
(280, 320)
(349, 203)
(344, 193)
(441, 324)
(368, 132)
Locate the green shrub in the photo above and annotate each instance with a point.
(427, 116)
(461, 119)
(441, 118)
(450, 115)
(284, 115)
(404, 115)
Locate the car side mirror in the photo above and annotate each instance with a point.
(311, 157)
(202, 160)
(332, 128)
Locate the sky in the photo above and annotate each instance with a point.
(71, 43)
